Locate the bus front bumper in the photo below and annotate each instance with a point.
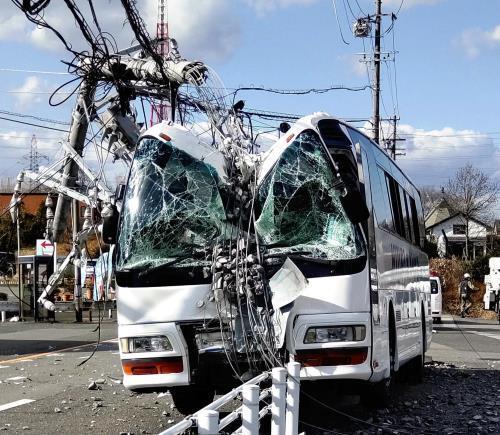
(339, 359)
(153, 369)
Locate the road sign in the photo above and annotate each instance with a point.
(44, 248)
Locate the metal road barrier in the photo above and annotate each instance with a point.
(284, 407)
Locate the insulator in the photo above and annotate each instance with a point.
(87, 223)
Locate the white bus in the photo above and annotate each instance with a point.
(363, 309)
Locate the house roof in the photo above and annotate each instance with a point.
(454, 215)
(440, 213)
(31, 201)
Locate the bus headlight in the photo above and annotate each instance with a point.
(329, 334)
(158, 343)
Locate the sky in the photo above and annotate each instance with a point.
(440, 77)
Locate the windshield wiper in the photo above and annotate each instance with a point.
(148, 270)
(302, 256)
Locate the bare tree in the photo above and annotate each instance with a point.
(430, 197)
(471, 193)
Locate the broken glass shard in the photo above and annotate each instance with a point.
(172, 210)
(300, 205)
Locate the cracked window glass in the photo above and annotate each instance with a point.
(301, 208)
(172, 211)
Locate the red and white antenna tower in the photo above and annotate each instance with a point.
(161, 109)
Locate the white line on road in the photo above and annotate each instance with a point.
(14, 404)
(485, 334)
(4, 367)
(16, 378)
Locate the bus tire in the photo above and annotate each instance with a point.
(192, 398)
(379, 394)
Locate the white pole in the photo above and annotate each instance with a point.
(292, 398)
(250, 411)
(4, 316)
(110, 313)
(208, 422)
(55, 257)
(19, 264)
(278, 403)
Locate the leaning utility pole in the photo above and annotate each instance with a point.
(76, 140)
(376, 84)
(78, 130)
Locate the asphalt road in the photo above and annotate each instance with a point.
(44, 389)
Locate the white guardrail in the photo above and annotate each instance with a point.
(284, 407)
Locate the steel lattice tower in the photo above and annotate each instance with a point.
(161, 110)
(34, 156)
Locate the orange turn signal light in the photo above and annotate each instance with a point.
(153, 366)
(332, 357)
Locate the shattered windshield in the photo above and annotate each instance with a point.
(301, 208)
(172, 211)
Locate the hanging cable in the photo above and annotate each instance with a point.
(338, 23)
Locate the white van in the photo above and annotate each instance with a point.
(436, 299)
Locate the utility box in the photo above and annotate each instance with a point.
(492, 282)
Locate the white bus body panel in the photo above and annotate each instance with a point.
(171, 331)
(398, 277)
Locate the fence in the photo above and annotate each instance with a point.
(284, 407)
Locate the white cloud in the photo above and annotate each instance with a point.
(30, 92)
(433, 156)
(15, 146)
(474, 40)
(262, 6)
(208, 30)
(12, 24)
(355, 64)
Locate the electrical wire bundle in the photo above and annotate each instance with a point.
(239, 284)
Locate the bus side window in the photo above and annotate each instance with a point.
(397, 212)
(380, 198)
(407, 215)
(414, 219)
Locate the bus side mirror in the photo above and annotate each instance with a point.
(120, 192)
(110, 217)
(354, 205)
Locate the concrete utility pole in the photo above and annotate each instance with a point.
(77, 134)
(391, 144)
(376, 84)
(394, 137)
